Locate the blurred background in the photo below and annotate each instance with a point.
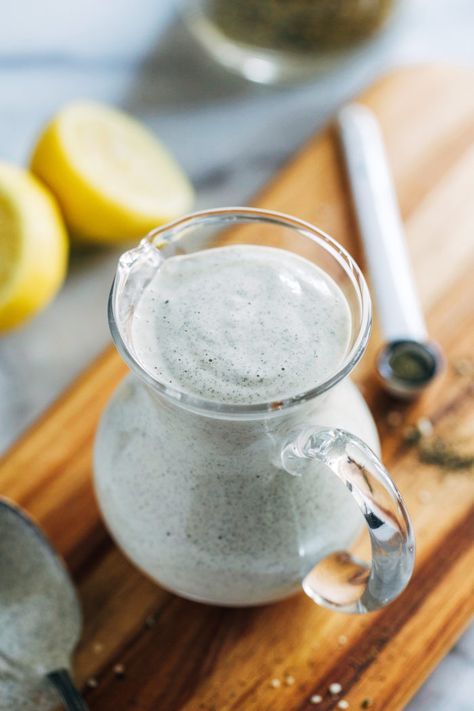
(229, 135)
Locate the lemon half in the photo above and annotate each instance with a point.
(33, 246)
(113, 179)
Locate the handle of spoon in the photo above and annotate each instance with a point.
(64, 685)
(380, 224)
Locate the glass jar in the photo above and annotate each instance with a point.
(268, 41)
(245, 504)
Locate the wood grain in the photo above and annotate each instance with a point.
(180, 655)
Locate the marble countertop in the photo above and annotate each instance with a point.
(229, 135)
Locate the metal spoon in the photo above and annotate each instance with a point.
(40, 618)
(408, 361)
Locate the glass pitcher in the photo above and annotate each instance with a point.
(245, 504)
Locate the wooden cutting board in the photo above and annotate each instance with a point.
(181, 655)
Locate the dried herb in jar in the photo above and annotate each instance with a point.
(299, 26)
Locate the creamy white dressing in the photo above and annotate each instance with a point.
(241, 324)
(201, 503)
(39, 618)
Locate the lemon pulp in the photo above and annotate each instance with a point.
(113, 179)
(33, 246)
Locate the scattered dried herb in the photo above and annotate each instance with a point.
(409, 365)
(304, 26)
(435, 450)
(444, 454)
(412, 435)
(464, 367)
(366, 703)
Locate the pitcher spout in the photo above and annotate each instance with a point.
(135, 269)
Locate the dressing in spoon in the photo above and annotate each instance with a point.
(40, 619)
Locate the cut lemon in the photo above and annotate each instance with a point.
(33, 246)
(113, 179)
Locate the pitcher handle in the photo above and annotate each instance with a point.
(340, 581)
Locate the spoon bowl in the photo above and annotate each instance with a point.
(40, 617)
(406, 367)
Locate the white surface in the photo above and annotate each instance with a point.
(229, 135)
